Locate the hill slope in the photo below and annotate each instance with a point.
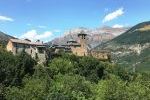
(131, 48)
(4, 38)
(138, 34)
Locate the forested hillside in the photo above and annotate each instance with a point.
(132, 47)
(137, 34)
(68, 77)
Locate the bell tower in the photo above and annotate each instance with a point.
(82, 38)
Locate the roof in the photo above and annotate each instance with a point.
(82, 33)
(74, 45)
(27, 42)
(71, 40)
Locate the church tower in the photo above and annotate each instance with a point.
(82, 38)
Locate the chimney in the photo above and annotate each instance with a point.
(37, 40)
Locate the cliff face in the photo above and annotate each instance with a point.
(95, 36)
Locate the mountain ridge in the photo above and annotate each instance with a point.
(4, 38)
(95, 36)
(131, 48)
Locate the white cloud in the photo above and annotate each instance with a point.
(113, 15)
(33, 35)
(5, 18)
(117, 26)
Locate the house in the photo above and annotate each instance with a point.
(60, 48)
(37, 49)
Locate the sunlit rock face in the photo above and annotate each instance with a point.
(95, 36)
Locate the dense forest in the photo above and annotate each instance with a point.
(68, 77)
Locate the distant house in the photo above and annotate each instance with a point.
(100, 54)
(60, 48)
(37, 49)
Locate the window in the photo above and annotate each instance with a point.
(41, 50)
(24, 46)
(16, 50)
(31, 51)
(16, 45)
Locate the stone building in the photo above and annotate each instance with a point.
(100, 54)
(37, 49)
(60, 48)
(81, 48)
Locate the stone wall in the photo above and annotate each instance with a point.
(102, 55)
(79, 51)
(32, 50)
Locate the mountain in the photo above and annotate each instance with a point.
(95, 36)
(131, 48)
(138, 34)
(4, 38)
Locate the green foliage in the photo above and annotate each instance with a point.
(134, 36)
(138, 91)
(90, 68)
(63, 87)
(2, 92)
(69, 77)
(71, 87)
(60, 65)
(122, 72)
(14, 68)
(34, 89)
(111, 89)
(117, 89)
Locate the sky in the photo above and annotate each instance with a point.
(48, 19)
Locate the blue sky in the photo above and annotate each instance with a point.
(47, 19)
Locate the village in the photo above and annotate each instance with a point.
(38, 49)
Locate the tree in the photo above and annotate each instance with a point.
(60, 65)
(90, 68)
(111, 89)
(2, 92)
(34, 89)
(14, 68)
(71, 87)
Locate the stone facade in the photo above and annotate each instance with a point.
(81, 48)
(37, 50)
(101, 54)
(79, 51)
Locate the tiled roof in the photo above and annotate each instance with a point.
(26, 42)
